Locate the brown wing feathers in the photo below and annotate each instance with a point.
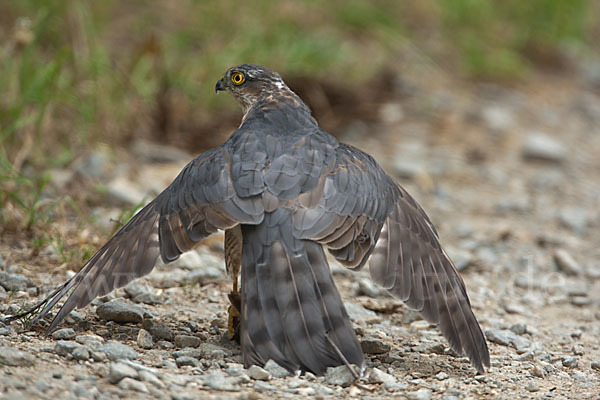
(409, 262)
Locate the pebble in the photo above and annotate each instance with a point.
(421, 394)
(376, 375)
(218, 381)
(147, 376)
(116, 351)
(120, 311)
(63, 334)
(538, 372)
(122, 190)
(566, 263)
(532, 387)
(540, 146)
(132, 384)
(580, 301)
(81, 353)
(276, 370)
(154, 152)
(339, 376)
(506, 337)
(144, 339)
(374, 345)
(65, 347)
(570, 362)
(258, 373)
(441, 376)
(14, 282)
(158, 331)
(6, 331)
(575, 219)
(118, 371)
(431, 348)
(358, 313)
(187, 341)
(366, 287)
(186, 361)
(261, 386)
(15, 358)
(578, 350)
(497, 118)
(595, 365)
(90, 341)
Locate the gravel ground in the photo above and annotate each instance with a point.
(510, 178)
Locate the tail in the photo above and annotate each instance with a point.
(292, 311)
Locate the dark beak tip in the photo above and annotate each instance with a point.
(220, 86)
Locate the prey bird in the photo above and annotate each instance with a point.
(284, 190)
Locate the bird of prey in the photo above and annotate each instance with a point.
(284, 191)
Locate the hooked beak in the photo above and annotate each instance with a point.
(220, 85)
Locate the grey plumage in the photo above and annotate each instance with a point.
(292, 188)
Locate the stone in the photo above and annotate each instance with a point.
(576, 219)
(519, 329)
(366, 287)
(358, 313)
(570, 362)
(421, 394)
(218, 381)
(14, 282)
(276, 370)
(155, 152)
(6, 331)
(187, 341)
(132, 384)
(120, 311)
(578, 350)
(532, 387)
(376, 375)
(92, 342)
(185, 361)
(539, 146)
(580, 301)
(158, 331)
(147, 376)
(144, 339)
(257, 373)
(15, 358)
(118, 371)
(212, 351)
(65, 347)
(431, 348)
(507, 337)
(122, 190)
(339, 376)
(441, 376)
(81, 353)
(261, 386)
(595, 365)
(116, 351)
(566, 263)
(497, 118)
(374, 345)
(63, 334)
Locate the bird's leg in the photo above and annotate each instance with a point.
(233, 261)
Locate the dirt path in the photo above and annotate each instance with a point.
(509, 176)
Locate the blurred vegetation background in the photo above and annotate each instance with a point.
(77, 72)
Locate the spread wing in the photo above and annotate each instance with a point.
(200, 200)
(363, 211)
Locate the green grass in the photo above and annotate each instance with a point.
(75, 72)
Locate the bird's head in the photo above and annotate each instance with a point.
(248, 83)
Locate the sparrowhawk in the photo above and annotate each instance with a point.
(284, 190)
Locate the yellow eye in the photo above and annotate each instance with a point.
(238, 78)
